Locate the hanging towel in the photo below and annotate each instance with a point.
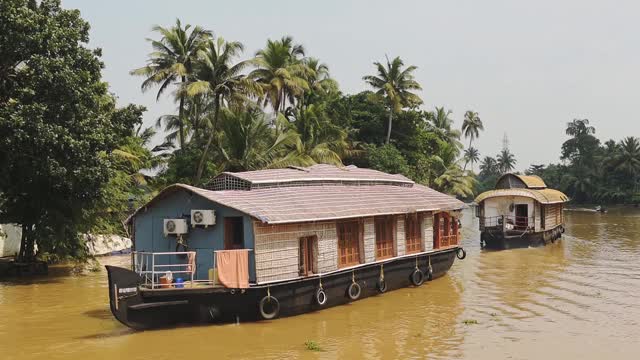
(233, 268)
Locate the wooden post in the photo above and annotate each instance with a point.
(455, 230)
(436, 231)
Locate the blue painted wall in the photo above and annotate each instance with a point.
(149, 234)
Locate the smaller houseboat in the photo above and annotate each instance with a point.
(520, 212)
(262, 244)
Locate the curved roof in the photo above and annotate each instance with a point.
(544, 196)
(325, 202)
(529, 181)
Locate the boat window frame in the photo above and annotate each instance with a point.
(385, 227)
(308, 255)
(413, 232)
(356, 257)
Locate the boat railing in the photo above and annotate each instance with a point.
(507, 222)
(152, 266)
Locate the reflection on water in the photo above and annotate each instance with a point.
(575, 298)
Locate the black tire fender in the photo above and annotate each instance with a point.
(417, 277)
(354, 291)
(264, 310)
(321, 297)
(461, 254)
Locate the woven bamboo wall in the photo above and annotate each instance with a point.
(553, 216)
(369, 240)
(427, 231)
(400, 236)
(277, 246)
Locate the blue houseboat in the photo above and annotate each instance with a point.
(262, 244)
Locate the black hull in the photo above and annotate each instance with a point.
(501, 241)
(147, 309)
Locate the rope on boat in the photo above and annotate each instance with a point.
(353, 277)
(381, 271)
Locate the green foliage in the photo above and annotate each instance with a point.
(594, 173)
(171, 62)
(312, 345)
(389, 159)
(59, 125)
(395, 84)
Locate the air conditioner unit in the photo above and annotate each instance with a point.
(203, 217)
(175, 227)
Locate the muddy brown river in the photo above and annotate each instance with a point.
(578, 298)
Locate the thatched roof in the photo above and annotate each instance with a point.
(544, 196)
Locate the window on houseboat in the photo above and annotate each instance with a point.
(348, 243)
(445, 229)
(413, 234)
(233, 233)
(307, 258)
(384, 236)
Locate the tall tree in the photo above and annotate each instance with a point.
(443, 127)
(171, 62)
(628, 159)
(281, 72)
(471, 155)
(489, 167)
(579, 127)
(320, 82)
(220, 78)
(58, 126)
(506, 161)
(396, 85)
(471, 127)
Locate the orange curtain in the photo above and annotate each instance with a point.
(233, 268)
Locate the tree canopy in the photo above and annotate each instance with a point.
(58, 121)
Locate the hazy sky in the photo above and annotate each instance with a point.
(527, 67)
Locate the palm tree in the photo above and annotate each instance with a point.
(197, 114)
(395, 84)
(579, 127)
(320, 141)
(455, 181)
(489, 166)
(319, 81)
(172, 61)
(249, 143)
(280, 72)
(506, 161)
(628, 159)
(443, 127)
(222, 81)
(471, 126)
(471, 155)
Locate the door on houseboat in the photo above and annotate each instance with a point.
(522, 216)
(233, 233)
(307, 255)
